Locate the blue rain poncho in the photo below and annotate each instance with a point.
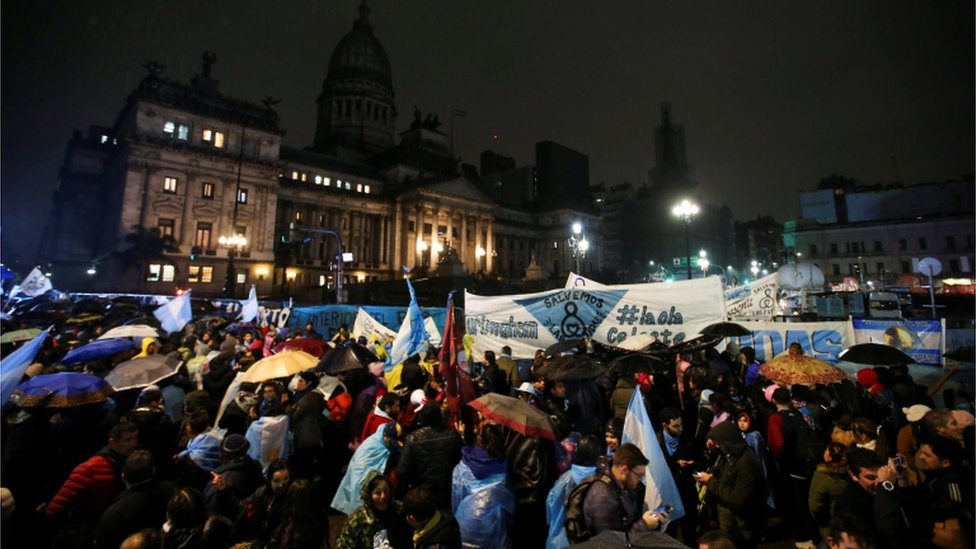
(371, 455)
(481, 501)
(556, 504)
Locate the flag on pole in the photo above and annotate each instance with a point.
(639, 431)
(13, 366)
(249, 307)
(458, 113)
(175, 314)
(35, 284)
(412, 337)
(433, 333)
(365, 325)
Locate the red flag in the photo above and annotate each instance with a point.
(448, 368)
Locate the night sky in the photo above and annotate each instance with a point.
(773, 96)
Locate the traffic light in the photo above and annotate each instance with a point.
(194, 252)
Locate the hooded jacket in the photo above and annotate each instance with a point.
(365, 522)
(737, 484)
(481, 500)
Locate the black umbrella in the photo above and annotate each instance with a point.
(634, 363)
(573, 368)
(875, 354)
(572, 346)
(695, 344)
(962, 354)
(351, 356)
(725, 329)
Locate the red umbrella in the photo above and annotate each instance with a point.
(515, 414)
(311, 345)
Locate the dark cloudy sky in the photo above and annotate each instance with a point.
(773, 95)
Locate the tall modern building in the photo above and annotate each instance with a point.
(192, 187)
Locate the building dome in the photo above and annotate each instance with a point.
(360, 55)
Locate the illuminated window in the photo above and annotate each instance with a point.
(304, 176)
(366, 189)
(166, 227)
(193, 274)
(359, 187)
(298, 216)
(242, 196)
(214, 137)
(203, 235)
(318, 179)
(348, 186)
(179, 131)
(158, 272)
(241, 278)
(169, 185)
(208, 191)
(199, 274)
(169, 128)
(169, 273)
(326, 181)
(294, 174)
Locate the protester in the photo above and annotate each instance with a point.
(379, 519)
(481, 500)
(613, 503)
(429, 456)
(432, 529)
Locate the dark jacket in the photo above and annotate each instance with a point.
(241, 477)
(220, 376)
(610, 506)
(140, 506)
(446, 534)
(531, 468)
(857, 502)
(428, 459)
(738, 485)
(305, 417)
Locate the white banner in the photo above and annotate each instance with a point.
(754, 301)
(823, 340)
(366, 326)
(579, 281)
(628, 316)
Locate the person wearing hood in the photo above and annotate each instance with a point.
(589, 450)
(379, 518)
(736, 482)
(372, 455)
(828, 483)
(480, 499)
(149, 347)
(237, 477)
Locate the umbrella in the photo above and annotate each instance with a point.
(135, 330)
(144, 320)
(609, 539)
(962, 354)
(140, 372)
(20, 335)
(515, 414)
(236, 327)
(572, 346)
(85, 318)
(311, 345)
(725, 329)
(695, 344)
(801, 369)
(634, 363)
(280, 365)
(571, 368)
(98, 349)
(61, 390)
(344, 358)
(875, 354)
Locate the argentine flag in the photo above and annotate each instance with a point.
(175, 314)
(412, 337)
(249, 308)
(661, 488)
(13, 366)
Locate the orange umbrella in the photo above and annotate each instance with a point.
(790, 369)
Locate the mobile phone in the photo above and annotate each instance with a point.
(698, 473)
(663, 510)
(898, 461)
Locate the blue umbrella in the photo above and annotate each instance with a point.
(98, 349)
(61, 390)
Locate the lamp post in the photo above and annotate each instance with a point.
(234, 244)
(686, 211)
(578, 244)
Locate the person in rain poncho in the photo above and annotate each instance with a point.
(371, 455)
(149, 347)
(588, 451)
(480, 499)
(380, 518)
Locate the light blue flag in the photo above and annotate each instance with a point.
(412, 337)
(249, 308)
(13, 366)
(639, 431)
(174, 315)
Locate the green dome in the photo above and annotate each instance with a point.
(360, 55)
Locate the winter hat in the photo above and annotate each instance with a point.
(527, 387)
(615, 427)
(703, 399)
(732, 348)
(235, 444)
(768, 392)
(418, 398)
(915, 412)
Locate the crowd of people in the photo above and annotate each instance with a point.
(203, 460)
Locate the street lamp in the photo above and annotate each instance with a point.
(704, 264)
(234, 244)
(686, 211)
(578, 244)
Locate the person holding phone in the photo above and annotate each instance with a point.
(737, 484)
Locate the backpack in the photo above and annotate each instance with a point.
(807, 447)
(576, 528)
